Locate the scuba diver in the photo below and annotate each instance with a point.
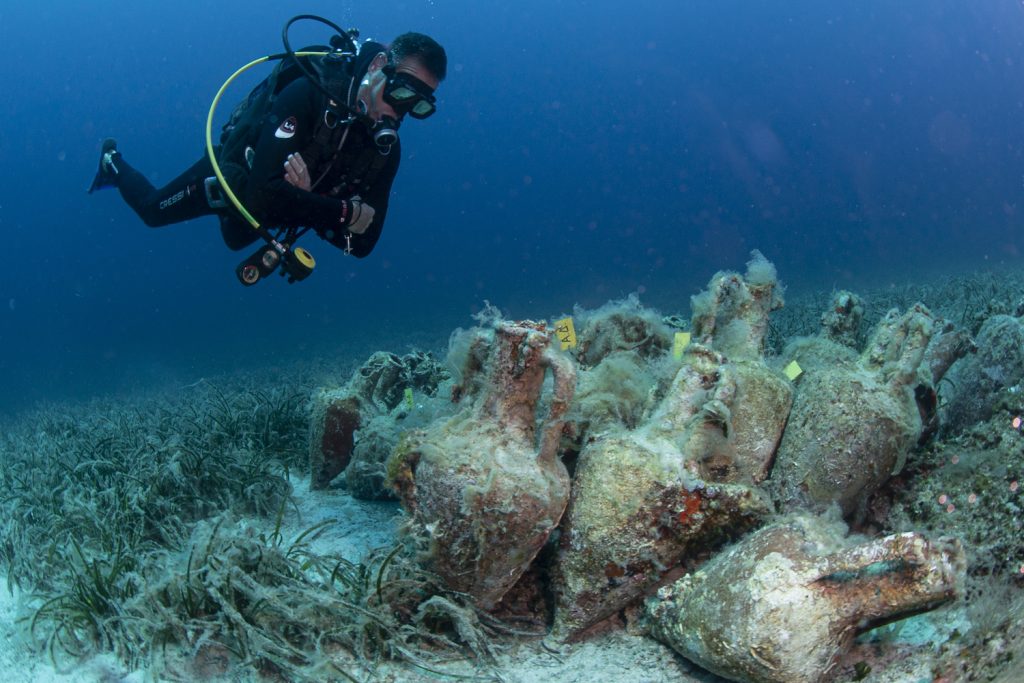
(313, 147)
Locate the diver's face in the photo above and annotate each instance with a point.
(371, 89)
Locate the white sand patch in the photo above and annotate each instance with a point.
(358, 526)
(615, 656)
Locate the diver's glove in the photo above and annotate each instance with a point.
(358, 215)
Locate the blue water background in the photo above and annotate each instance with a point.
(582, 151)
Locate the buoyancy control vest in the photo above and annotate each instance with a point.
(240, 134)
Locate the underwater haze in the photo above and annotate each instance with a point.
(582, 150)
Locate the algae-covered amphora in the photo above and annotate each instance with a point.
(784, 604)
(640, 504)
(487, 485)
(365, 406)
(731, 316)
(853, 423)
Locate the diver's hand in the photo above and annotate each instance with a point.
(360, 216)
(296, 173)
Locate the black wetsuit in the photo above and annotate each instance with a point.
(358, 168)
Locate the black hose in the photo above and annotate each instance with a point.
(343, 34)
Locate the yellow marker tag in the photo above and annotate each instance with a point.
(408, 398)
(679, 344)
(793, 370)
(566, 332)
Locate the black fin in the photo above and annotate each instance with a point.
(106, 176)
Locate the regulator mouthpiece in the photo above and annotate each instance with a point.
(385, 132)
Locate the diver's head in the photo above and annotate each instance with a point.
(401, 81)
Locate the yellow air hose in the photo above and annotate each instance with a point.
(209, 135)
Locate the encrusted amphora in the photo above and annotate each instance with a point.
(645, 500)
(642, 500)
(784, 604)
(854, 422)
(731, 317)
(487, 485)
(353, 429)
(338, 413)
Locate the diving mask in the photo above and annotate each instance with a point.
(407, 94)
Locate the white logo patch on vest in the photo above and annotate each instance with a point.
(287, 128)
